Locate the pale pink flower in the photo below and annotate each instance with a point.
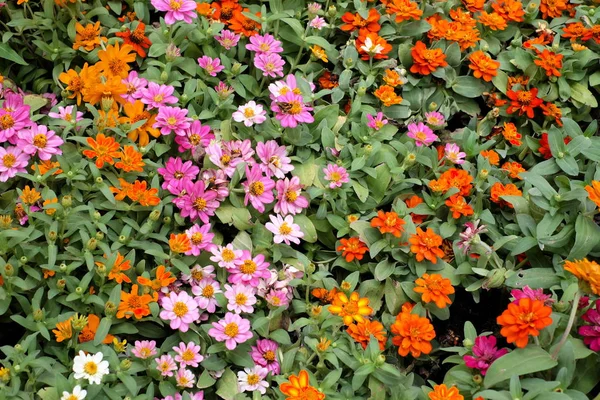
(228, 39)
(274, 159)
(258, 188)
(435, 119)
(181, 309)
(284, 229)
(253, 379)
(250, 270)
(216, 180)
(156, 96)
(250, 114)
(66, 114)
(144, 349)
(177, 10)
(336, 175)
(188, 354)
(212, 66)
(318, 23)
(278, 297)
(452, 152)
(271, 64)
(289, 200)
(12, 162)
(240, 298)
(376, 121)
(223, 90)
(314, 8)
(205, 294)
(264, 44)
(185, 378)
(198, 274)
(422, 134)
(227, 257)
(172, 119)
(222, 158)
(39, 140)
(135, 86)
(232, 330)
(166, 365)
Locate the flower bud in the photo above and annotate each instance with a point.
(67, 201)
(120, 347)
(17, 368)
(331, 11)
(477, 379)
(107, 104)
(9, 270)
(38, 315)
(167, 220)
(99, 235)
(110, 309)
(23, 260)
(101, 269)
(97, 215)
(361, 91)
(70, 174)
(164, 76)
(561, 306)
(65, 93)
(99, 180)
(19, 348)
(236, 68)
(532, 6)
(496, 279)
(345, 285)
(468, 343)
(315, 311)
(184, 97)
(126, 127)
(348, 62)
(4, 374)
(368, 149)
(63, 267)
(591, 12)
(79, 321)
(433, 106)
(154, 215)
(123, 239)
(380, 359)
(52, 235)
(172, 52)
(91, 244)
(125, 364)
(410, 158)
(60, 284)
(484, 173)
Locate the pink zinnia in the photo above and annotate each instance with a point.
(485, 353)
(135, 85)
(289, 200)
(336, 175)
(241, 149)
(177, 10)
(533, 294)
(181, 309)
(227, 257)
(222, 158)
(318, 23)
(452, 152)
(232, 330)
(14, 116)
(39, 140)
(12, 162)
(223, 90)
(197, 202)
(156, 96)
(274, 159)
(196, 137)
(250, 270)
(144, 349)
(435, 119)
(250, 114)
(205, 294)
(264, 44)
(291, 110)
(284, 229)
(188, 354)
(212, 66)
(228, 39)
(258, 188)
(422, 134)
(185, 378)
(278, 297)
(591, 332)
(216, 180)
(284, 86)
(166, 365)
(176, 172)
(66, 114)
(376, 121)
(201, 239)
(265, 355)
(172, 119)
(240, 298)
(271, 64)
(198, 274)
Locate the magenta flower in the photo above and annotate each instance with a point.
(156, 96)
(271, 64)
(264, 44)
(258, 188)
(181, 309)
(265, 355)
(284, 229)
(591, 332)
(240, 298)
(212, 66)
(274, 159)
(250, 271)
(533, 294)
(12, 162)
(201, 239)
(197, 202)
(176, 172)
(39, 140)
(188, 354)
(172, 119)
(485, 353)
(205, 292)
(291, 110)
(66, 114)
(376, 121)
(278, 297)
(196, 137)
(452, 152)
(336, 175)
(185, 378)
(228, 39)
(144, 349)
(422, 134)
(135, 85)
(166, 365)
(14, 116)
(232, 330)
(227, 257)
(289, 200)
(435, 119)
(176, 10)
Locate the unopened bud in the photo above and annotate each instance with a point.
(110, 309)
(99, 235)
(62, 267)
(79, 290)
(477, 379)
(433, 106)
(79, 321)
(23, 260)
(331, 11)
(410, 158)
(154, 215)
(38, 315)
(91, 244)
(561, 306)
(496, 280)
(123, 239)
(107, 104)
(468, 343)
(167, 220)
(9, 270)
(60, 284)
(484, 173)
(164, 76)
(125, 364)
(52, 235)
(361, 91)
(236, 68)
(99, 180)
(97, 215)
(67, 201)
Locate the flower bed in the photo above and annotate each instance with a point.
(293, 200)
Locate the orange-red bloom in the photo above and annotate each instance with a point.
(163, 278)
(553, 8)
(136, 39)
(550, 62)
(498, 190)
(483, 66)
(326, 296)
(134, 305)
(299, 388)
(404, 10)
(352, 248)
(353, 308)
(442, 392)
(371, 45)
(510, 10)
(458, 206)
(473, 5)
(243, 25)
(179, 243)
(354, 22)
(361, 332)
(426, 245)
(131, 160)
(392, 78)
(104, 149)
(552, 111)
(576, 31)
(523, 319)
(425, 60)
(524, 101)
(511, 135)
(493, 20)
(492, 157)
(116, 272)
(434, 288)
(453, 177)
(413, 334)
(63, 330)
(594, 192)
(388, 222)
(89, 331)
(514, 169)
(412, 202)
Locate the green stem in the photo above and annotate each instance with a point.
(565, 335)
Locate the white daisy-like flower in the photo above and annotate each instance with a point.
(90, 367)
(250, 114)
(370, 47)
(284, 229)
(252, 379)
(77, 394)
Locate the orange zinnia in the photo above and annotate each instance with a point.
(514, 169)
(116, 272)
(132, 304)
(553, 8)
(404, 10)
(524, 101)
(88, 37)
(89, 331)
(483, 66)
(136, 39)
(353, 22)
(135, 112)
(587, 271)
(492, 157)
(552, 111)
(225, 9)
(523, 319)
(413, 334)
(426, 245)
(387, 95)
(149, 198)
(104, 149)
(425, 60)
(329, 80)
(353, 308)
(453, 177)
(46, 165)
(371, 45)
(498, 190)
(352, 248)
(594, 192)
(412, 202)
(131, 160)
(114, 60)
(434, 288)
(458, 206)
(511, 135)
(361, 332)
(163, 279)
(326, 296)
(64, 330)
(78, 82)
(111, 89)
(204, 9)
(493, 20)
(388, 222)
(298, 388)
(576, 31)
(179, 243)
(442, 392)
(243, 25)
(550, 62)
(474, 5)
(510, 10)
(392, 78)
(30, 196)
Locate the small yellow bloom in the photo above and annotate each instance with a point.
(319, 52)
(119, 346)
(323, 345)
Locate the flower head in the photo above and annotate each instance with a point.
(176, 10)
(425, 60)
(591, 331)
(144, 349)
(289, 199)
(412, 334)
(435, 119)
(227, 256)
(271, 64)
(265, 355)
(253, 379)
(284, 229)
(376, 121)
(485, 353)
(422, 134)
(258, 188)
(166, 365)
(353, 308)
(336, 175)
(212, 66)
(250, 270)
(205, 292)
(184, 378)
(228, 39)
(588, 272)
(483, 66)
(172, 119)
(290, 110)
(250, 114)
(232, 330)
(264, 44)
(39, 140)
(156, 96)
(12, 162)
(240, 298)
(452, 152)
(361, 332)
(188, 354)
(388, 222)
(426, 245)
(90, 367)
(523, 319)
(299, 388)
(180, 309)
(197, 202)
(442, 392)
(77, 394)
(434, 288)
(533, 294)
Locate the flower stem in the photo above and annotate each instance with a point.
(565, 335)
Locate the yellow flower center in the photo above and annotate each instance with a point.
(269, 355)
(9, 160)
(257, 188)
(197, 238)
(200, 204)
(241, 299)
(194, 139)
(231, 329)
(264, 47)
(225, 159)
(171, 120)
(351, 308)
(208, 291)
(175, 5)
(145, 352)
(90, 368)
(188, 355)
(116, 66)
(6, 121)
(285, 229)
(40, 140)
(249, 112)
(180, 309)
(335, 176)
(291, 196)
(248, 267)
(158, 98)
(228, 255)
(253, 379)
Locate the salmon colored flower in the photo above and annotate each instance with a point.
(510, 10)
(514, 169)
(511, 135)
(498, 190)
(326, 296)
(492, 157)
(354, 22)
(412, 334)
(298, 388)
(434, 288)
(442, 392)
(135, 305)
(523, 319)
(103, 149)
(387, 95)
(458, 206)
(361, 332)
(552, 111)
(550, 62)
(426, 245)
(425, 60)
(353, 308)
(179, 243)
(483, 66)
(89, 331)
(130, 160)
(404, 10)
(388, 222)
(136, 39)
(524, 101)
(493, 20)
(371, 45)
(352, 248)
(88, 37)
(114, 60)
(453, 177)
(586, 271)
(163, 278)
(64, 330)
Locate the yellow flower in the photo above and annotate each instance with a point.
(319, 52)
(351, 308)
(587, 271)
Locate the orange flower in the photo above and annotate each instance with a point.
(510, 10)
(30, 196)
(549, 62)
(122, 191)
(388, 222)
(425, 60)
(78, 82)
(387, 95)
(328, 80)
(116, 272)
(149, 198)
(371, 45)
(523, 319)
(299, 388)
(89, 331)
(48, 273)
(104, 149)
(552, 111)
(594, 192)
(136, 39)
(511, 135)
(458, 206)
(413, 334)
(350, 309)
(442, 392)
(50, 211)
(361, 332)
(44, 166)
(553, 8)
(576, 31)
(110, 90)
(204, 9)
(179, 243)
(483, 66)
(88, 37)
(524, 101)
(130, 15)
(107, 119)
(135, 112)
(326, 296)
(474, 5)
(493, 20)
(114, 60)
(514, 169)
(64, 330)
(225, 10)
(434, 288)
(498, 190)
(132, 304)
(586, 271)
(353, 22)
(163, 279)
(243, 25)
(412, 202)
(492, 157)
(426, 245)
(131, 160)
(405, 10)
(392, 78)
(352, 248)
(453, 177)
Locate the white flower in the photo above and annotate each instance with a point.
(284, 229)
(90, 367)
(77, 394)
(250, 114)
(370, 47)
(250, 380)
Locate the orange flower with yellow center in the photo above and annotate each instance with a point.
(361, 332)
(442, 392)
(179, 243)
(458, 206)
(103, 149)
(298, 388)
(524, 101)
(46, 165)
(483, 66)
(163, 278)
(109, 91)
(493, 20)
(116, 273)
(354, 22)
(353, 308)
(553, 8)
(64, 330)
(114, 60)
(89, 331)
(425, 60)
(388, 222)
(77, 83)
(523, 319)
(453, 177)
(352, 248)
(136, 39)
(134, 113)
(405, 10)
(586, 271)
(550, 62)
(426, 245)
(326, 296)
(552, 111)
(511, 135)
(412, 334)
(88, 37)
(392, 78)
(135, 305)
(387, 95)
(131, 160)
(50, 211)
(492, 157)
(498, 190)
(434, 288)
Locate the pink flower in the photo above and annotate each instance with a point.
(422, 134)
(39, 140)
(376, 122)
(216, 180)
(250, 114)
(253, 379)
(284, 229)
(241, 298)
(533, 294)
(228, 39)
(274, 159)
(264, 44)
(336, 175)
(227, 257)
(314, 8)
(289, 200)
(223, 90)
(291, 110)
(250, 270)
(470, 236)
(177, 10)
(591, 332)
(197, 202)
(205, 292)
(452, 152)
(188, 354)
(135, 86)
(195, 138)
(66, 114)
(485, 353)
(12, 162)
(265, 355)
(241, 150)
(156, 96)
(181, 309)
(258, 188)
(212, 66)
(185, 378)
(144, 349)
(232, 330)
(14, 116)
(176, 172)
(201, 239)
(198, 274)
(222, 158)
(318, 23)
(271, 64)
(172, 119)
(435, 119)
(285, 86)
(278, 298)
(166, 365)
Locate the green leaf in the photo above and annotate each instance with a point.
(518, 362)
(587, 236)
(468, 86)
(307, 227)
(8, 53)
(583, 95)
(536, 278)
(384, 269)
(227, 386)
(102, 331)
(361, 191)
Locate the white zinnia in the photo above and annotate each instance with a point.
(250, 380)
(284, 229)
(90, 367)
(370, 47)
(78, 394)
(250, 114)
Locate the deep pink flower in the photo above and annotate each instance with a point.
(274, 159)
(196, 137)
(265, 355)
(435, 119)
(156, 96)
(14, 116)
(12, 162)
(264, 44)
(39, 140)
(289, 199)
(135, 86)
(181, 309)
(591, 332)
(485, 353)
(177, 10)
(422, 134)
(271, 64)
(291, 110)
(205, 294)
(228, 39)
(176, 172)
(172, 119)
(376, 121)
(533, 294)
(336, 175)
(212, 66)
(278, 297)
(232, 330)
(197, 202)
(201, 239)
(250, 270)
(188, 354)
(258, 188)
